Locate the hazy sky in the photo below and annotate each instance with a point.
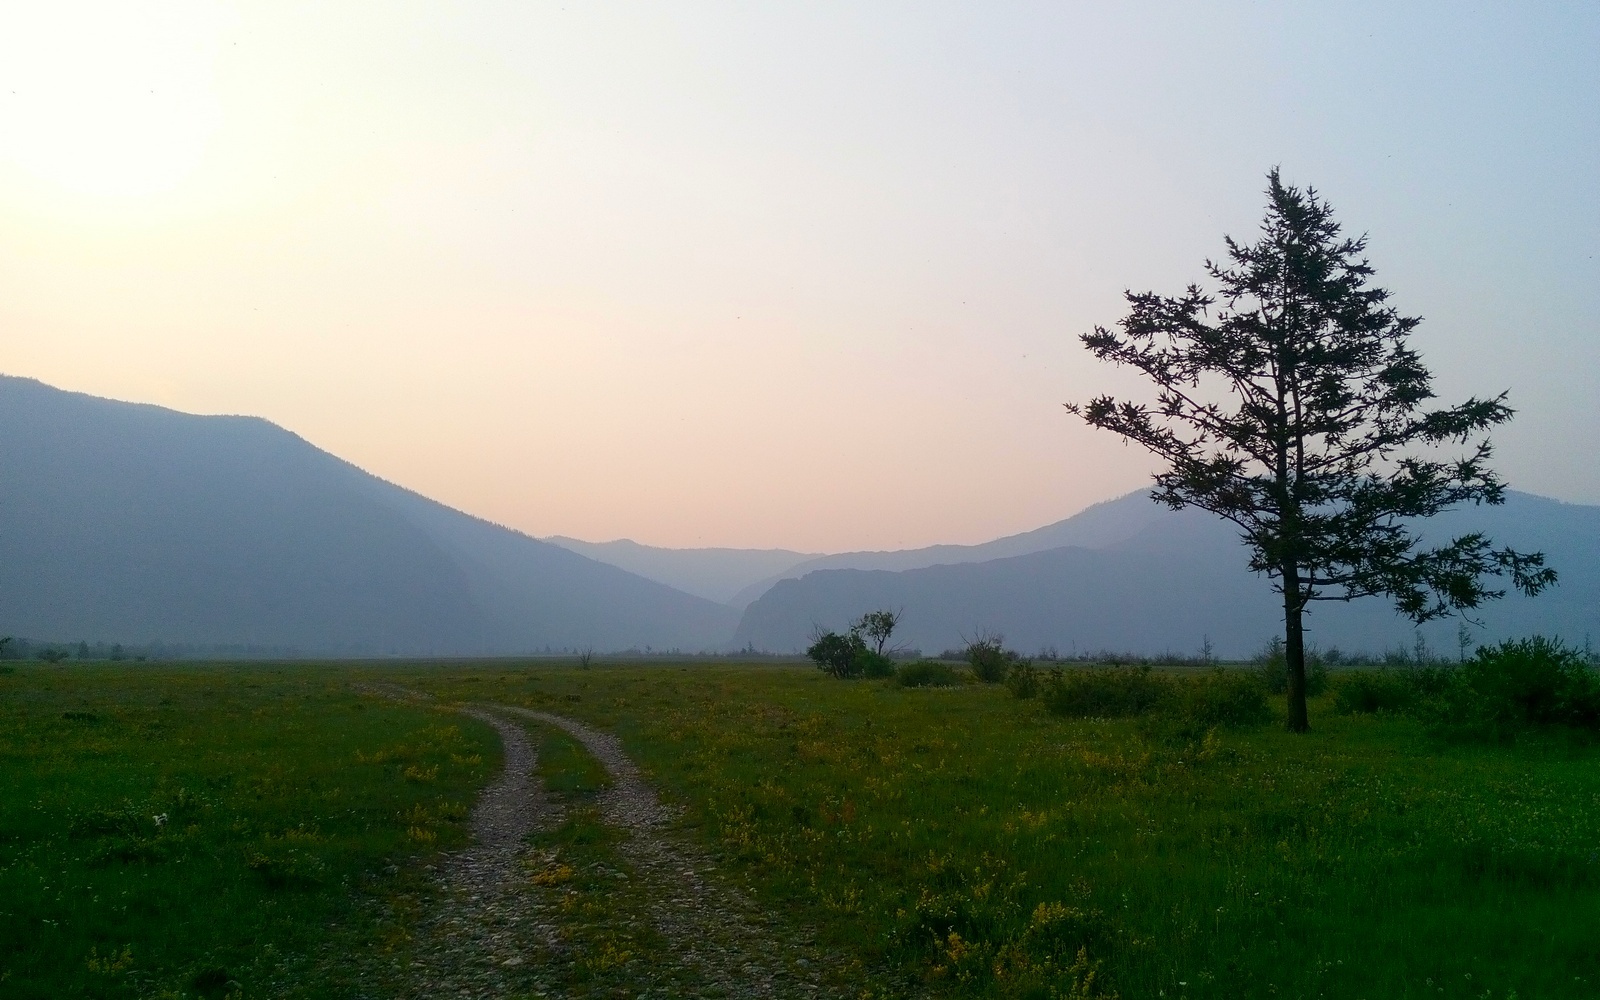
(740, 274)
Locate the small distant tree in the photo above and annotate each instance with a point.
(585, 657)
(837, 655)
(878, 627)
(1320, 453)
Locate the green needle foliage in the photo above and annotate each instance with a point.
(1322, 451)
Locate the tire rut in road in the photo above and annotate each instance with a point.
(720, 940)
(493, 934)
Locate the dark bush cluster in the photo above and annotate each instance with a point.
(1273, 666)
(1192, 702)
(848, 656)
(1023, 679)
(1519, 684)
(928, 673)
(990, 660)
(1106, 692)
(1533, 682)
(1222, 698)
(1373, 691)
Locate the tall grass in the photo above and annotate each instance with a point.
(975, 843)
(983, 846)
(193, 831)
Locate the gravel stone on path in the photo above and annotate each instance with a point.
(490, 928)
(720, 937)
(494, 934)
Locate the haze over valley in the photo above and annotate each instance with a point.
(134, 524)
(903, 501)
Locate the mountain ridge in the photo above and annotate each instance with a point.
(1175, 583)
(134, 522)
(717, 573)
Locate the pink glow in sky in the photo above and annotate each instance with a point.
(702, 274)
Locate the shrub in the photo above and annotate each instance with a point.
(1023, 680)
(1223, 698)
(1517, 684)
(1106, 692)
(1535, 681)
(869, 663)
(1272, 666)
(838, 655)
(988, 657)
(1176, 709)
(1370, 691)
(848, 655)
(927, 673)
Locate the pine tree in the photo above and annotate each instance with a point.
(1290, 404)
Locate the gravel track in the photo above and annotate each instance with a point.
(722, 941)
(493, 933)
(491, 927)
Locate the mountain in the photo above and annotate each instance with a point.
(135, 523)
(1102, 524)
(716, 574)
(1174, 582)
(737, 577)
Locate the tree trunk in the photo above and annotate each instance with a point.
(1294, 648)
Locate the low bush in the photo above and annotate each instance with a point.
(1023, 680)
(835, 654)
(1372, 691)
(1175, 708)
(1526, 682)
(869, 663)
(1223, 698)
(848, 655)
(1272, 667)
(1518, 684)
(928, 673)
(1106, 692)
(989, 658)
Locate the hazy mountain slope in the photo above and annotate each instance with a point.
(717, 574)
(1102, 524)
(1178, 580)
(136, 523)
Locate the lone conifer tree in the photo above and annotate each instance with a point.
(1321, 453)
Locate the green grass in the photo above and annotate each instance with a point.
(976, 843)
(598, 904)
(194, 831)
(566, 769)
(967, 841)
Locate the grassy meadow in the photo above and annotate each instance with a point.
(172, 831)
(963, 841)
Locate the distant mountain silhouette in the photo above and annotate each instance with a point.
(1102, 524)
(135, 523)
(737, 577)
(717, 574)
(1167, 585)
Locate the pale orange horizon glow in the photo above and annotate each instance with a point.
(808, 278)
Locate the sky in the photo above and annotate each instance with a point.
(800, 275)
